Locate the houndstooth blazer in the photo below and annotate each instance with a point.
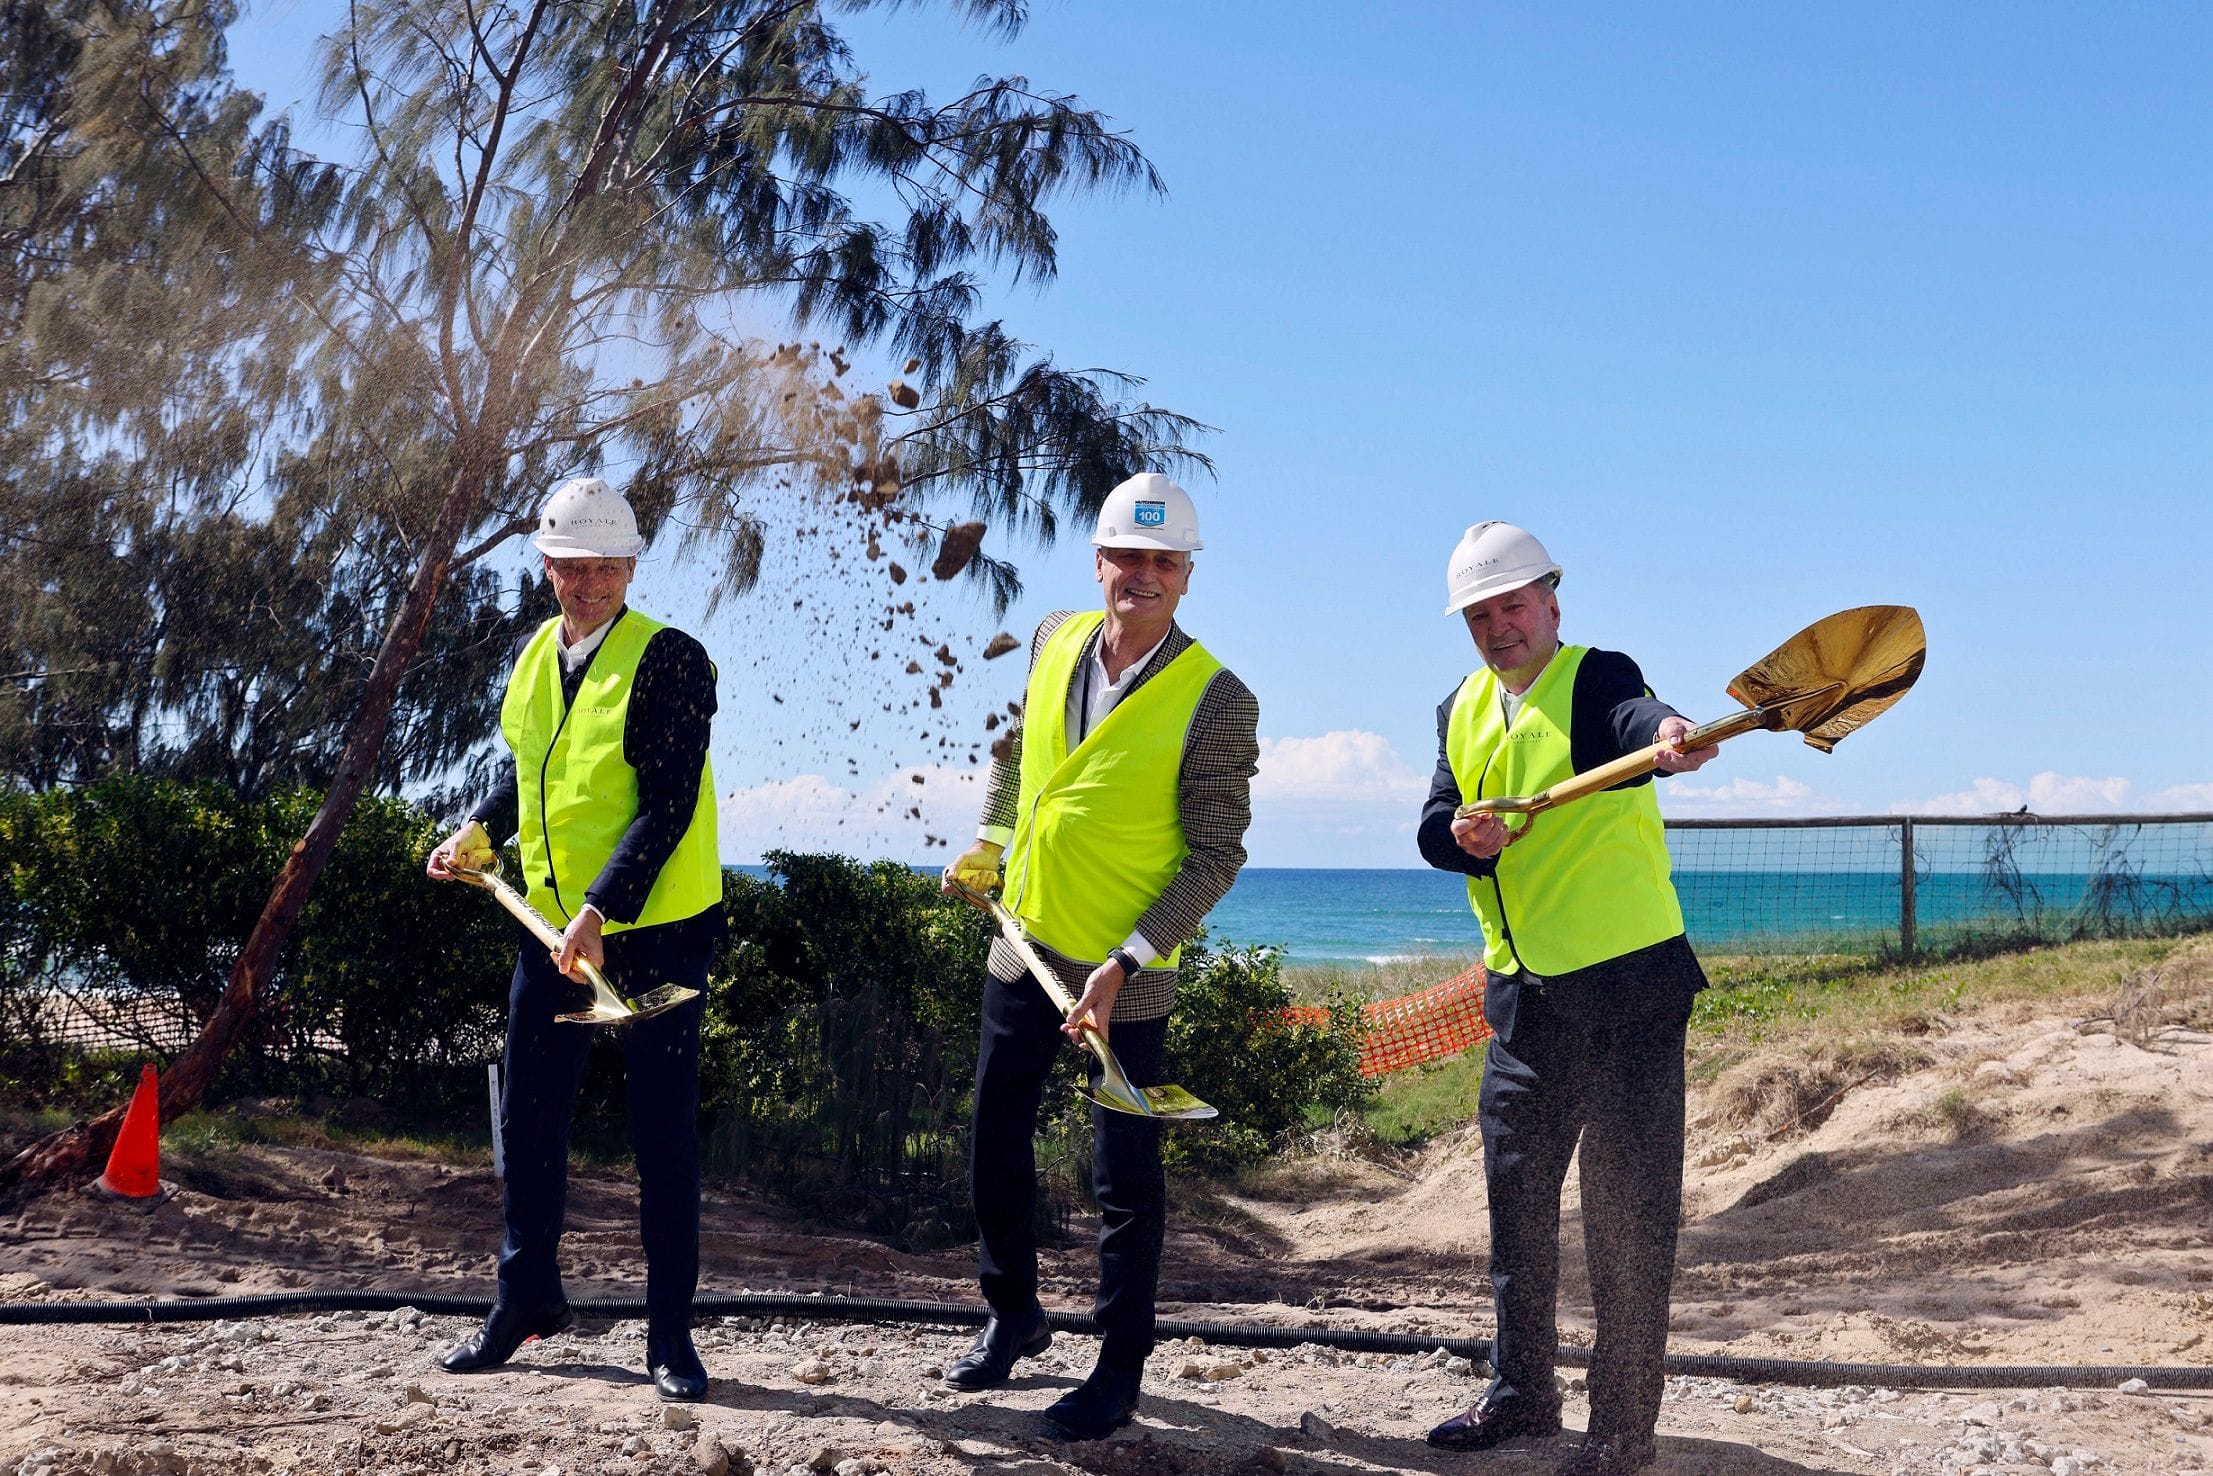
(1221, 753)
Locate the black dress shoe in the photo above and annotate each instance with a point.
(503, 1332)
(678, 1374)
(1493, 1421)
(1608, 1455)
(1096, 1408)
(991, 1357)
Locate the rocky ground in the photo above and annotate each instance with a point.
(2027, 1193)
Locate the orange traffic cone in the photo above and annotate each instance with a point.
(134, 1165)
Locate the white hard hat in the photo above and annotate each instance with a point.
(1493, 558)
(1148, 511)
(587, 519)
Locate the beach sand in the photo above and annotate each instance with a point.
(2029, 1193)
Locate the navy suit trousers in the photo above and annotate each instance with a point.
(545, 1063)
(1593, 1058)
(1021, 1037)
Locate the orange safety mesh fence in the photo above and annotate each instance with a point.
(1442, 1020)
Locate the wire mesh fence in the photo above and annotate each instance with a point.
(1940, 883)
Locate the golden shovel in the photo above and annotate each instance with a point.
(607, 1007)
(1826, 682)
(1116, 1091)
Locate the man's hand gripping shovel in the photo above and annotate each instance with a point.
(481, 869)
(1826, 682)
(1116, 1092)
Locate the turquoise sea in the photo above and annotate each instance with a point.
(1747, 889)
(1329, 916)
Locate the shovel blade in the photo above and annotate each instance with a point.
(1113, 1101)
(1838, 674)
(597, 1014)
(1175, 1102)
(660, 1001)
(653, 1002)
(1171, 1103)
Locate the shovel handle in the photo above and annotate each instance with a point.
(1628, 766)
(1011, 930)
(534, 920)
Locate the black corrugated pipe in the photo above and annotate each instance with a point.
(1226, 1334)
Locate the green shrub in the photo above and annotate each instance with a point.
(841, 1051)
(840, 1042)
(133, 885)
(838, 1045)
(1232, 1043)
(396, 982)
(142, 892)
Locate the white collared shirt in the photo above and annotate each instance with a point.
(1091, 696)
(1510, 703)
(574, 657)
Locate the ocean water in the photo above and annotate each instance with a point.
(1340, 916)
(1344, 916)
(1334, 916)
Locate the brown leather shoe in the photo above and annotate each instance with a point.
(1493, 1421)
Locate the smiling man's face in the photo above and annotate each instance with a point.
(1143, 585)
(1516, 632)
(590, 592)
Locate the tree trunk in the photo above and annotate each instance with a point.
(77, 1153)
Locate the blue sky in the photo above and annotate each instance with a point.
(1751, 312)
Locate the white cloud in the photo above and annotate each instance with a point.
(2062, 793)
(810, 812)
(2182, 797)
(1984, 797)
(2053, 793)
(1783, 795)
(1338, 799)
(1351, 766)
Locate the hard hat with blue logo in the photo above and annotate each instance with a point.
(1148, 511)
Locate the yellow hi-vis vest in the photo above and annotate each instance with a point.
(1591, 882)
(1098, 836)
(579, 794)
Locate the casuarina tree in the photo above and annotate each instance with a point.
(545, 258)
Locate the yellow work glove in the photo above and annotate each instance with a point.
(470, 848)
(977, 867)
(473, 848)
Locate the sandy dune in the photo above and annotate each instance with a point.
(2025, 1193)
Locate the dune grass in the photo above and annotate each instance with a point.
(1760, 999)
(225, 1129)
(1316, 983)
(1426, 1101)
(1836, 1015)
(1855, 1012)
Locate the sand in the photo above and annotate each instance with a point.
(2031, 1193)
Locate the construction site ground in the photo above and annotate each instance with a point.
(2026, 1191)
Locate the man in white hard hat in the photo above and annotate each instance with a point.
(1119, 805)
(1588, 995)
(607, 715)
